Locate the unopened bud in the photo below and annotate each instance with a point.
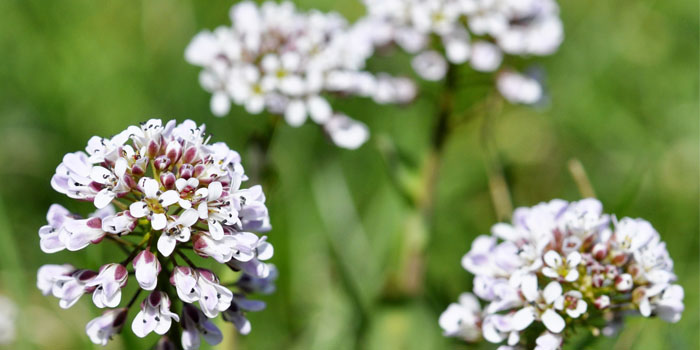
(602, 302)
(162, 162)
(624, 282)
(600, 251)
(168, 180)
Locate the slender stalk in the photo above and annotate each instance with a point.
(119, 204)
(578, 172)
(184, 257)
(133, 299)
(498, 187)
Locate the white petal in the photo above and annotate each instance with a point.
(138, 209)
(552, 292)
(319, 109)
(100, 174)
(553, 259)
(166, 244)
(150, 187)
(215, 190)
(523, 318)
(103, 198)
(573, 259)
(158, 221)
(572, 276)
(169, 198)
(529, 287)
(120, 167)
(553, 321)
(295, 113)
(220, 104)
(188, 218)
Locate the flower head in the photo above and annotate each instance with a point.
(165, 195)
(478, 32)
(561, 265)
(276, 58)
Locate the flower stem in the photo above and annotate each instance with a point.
(184, 257)
(578, 172)
(133, 299)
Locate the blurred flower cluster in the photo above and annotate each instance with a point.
(480, 32)
(8, 318)
(558, 266)
(173, 192)
(278, 59)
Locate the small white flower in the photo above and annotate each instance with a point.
(196, 325)
(48, 277)
(213, 298)
(462, 319)
(486, 57)
(71, 287)
(185, 281)
(346, 132)
(155, 315)
(177, 231)
(543, 308)
(518, 88)
(101, 329)
(146, 267)
(563, 269)
(108, 284)
(572, 302)
(154, 204)
(430, 65)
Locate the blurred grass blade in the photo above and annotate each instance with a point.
(13, 278)
(347, 238)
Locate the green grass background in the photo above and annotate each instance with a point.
(623, 98)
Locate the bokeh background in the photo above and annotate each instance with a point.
(359, 269)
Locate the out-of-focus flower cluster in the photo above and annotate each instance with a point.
(173, 193)
(562, 265)
(480, 32)
(8, 318)
(276, 58)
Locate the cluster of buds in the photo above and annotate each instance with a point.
(481, 32)
(278, 59)
(163, 195)
(562, 265)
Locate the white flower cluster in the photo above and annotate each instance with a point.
(276, 58)
(480, 32)
(558, 265)
(8, 318)
(174, 192)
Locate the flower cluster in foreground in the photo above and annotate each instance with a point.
(481, 32)
(558, 266)
(276, 58)
(176, 196)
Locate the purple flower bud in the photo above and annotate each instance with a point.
(162, 162)
(186, 171)
(168, 180)
(602, 302)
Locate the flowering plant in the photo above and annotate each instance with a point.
(481, 32)
(277, 58)
(559, 266)
(160, 191)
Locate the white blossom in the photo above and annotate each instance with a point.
(585, 261)
(178, 196)
(276, 58)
